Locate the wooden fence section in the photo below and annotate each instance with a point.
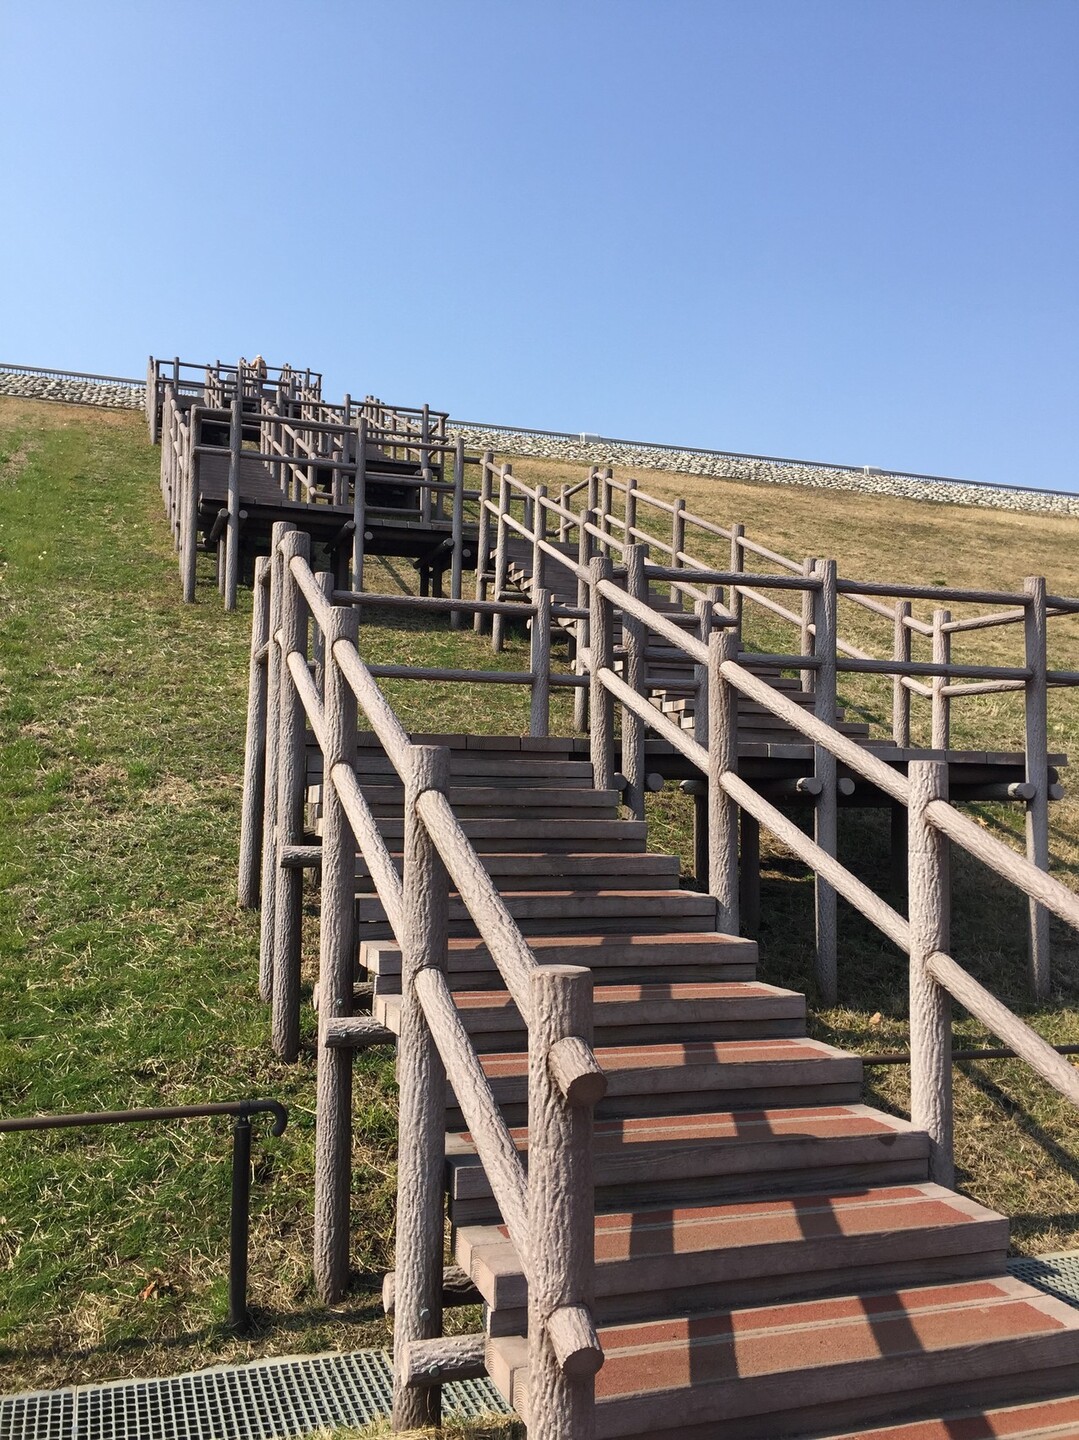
(306, 673)
(555, 547)
(547, 1219)
(245, 446)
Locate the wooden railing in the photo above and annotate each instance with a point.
(935, 976)
(316, 453)
(296, 684)
(549, 1213)
(530, 514)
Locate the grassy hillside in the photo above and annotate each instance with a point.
(127, 974)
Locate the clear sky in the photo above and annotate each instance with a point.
(832, 229)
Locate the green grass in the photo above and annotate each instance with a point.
(127, 973)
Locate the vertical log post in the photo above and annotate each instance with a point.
(807, 678)
(722, 757)
(749, 874)
(255, 742)
(738, 564)
(539, 535)
(498, 622)
(635, 639)
(593, 493)
(539, 720)
(561, 1219)
(608, 506)
(900, 693)
(705, 613)
(678, 544)
(425, 467)
(631, 511)
(584, 560)
(273, 745)
(421, 1080)
(457, 531)
(824, 767)
(190, 522)
(359, 504)
(930, 1005)
(600, 647)
(942, 705)
(337, 959)
(325, 582)
(291, 777)
(483, 537)
(1037, 774)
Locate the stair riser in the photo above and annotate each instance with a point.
(377, 928)
(587, 907)
(955, 1383)
(687, 1032)
(639, 962)
(692, 1102)
(616, 1309)
(472, 1204)
(755, 1275)
(584, 880)
(493, 980)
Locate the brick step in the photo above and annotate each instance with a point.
(636, 1014)
(794, 1369)
(721, 1155)
(652, 1262)
(1039, 1420)
(529, 747)
(772, 727)
(666, 1079)
(570, 871)
(492, 834)
(475, 767)
(690, 955)
(506, 802)
(671, 705)
(564, 912)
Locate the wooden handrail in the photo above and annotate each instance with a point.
(472, 1089)
(497, 928)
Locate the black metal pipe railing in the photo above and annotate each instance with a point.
(902, 1057)
(240, 1213)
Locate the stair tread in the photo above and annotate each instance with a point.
(703, 947)
(719, 1143)
(1037, 1420)
(641, 1006)
(656, 1248)
(708, 1056)
(773, 1364)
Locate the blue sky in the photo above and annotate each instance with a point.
(837, 229)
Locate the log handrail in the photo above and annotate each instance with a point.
(549, 1212)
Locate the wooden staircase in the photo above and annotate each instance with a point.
(771, 1259)
(670, 670)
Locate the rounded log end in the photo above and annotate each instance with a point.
(586, 1090)
(574, 1340)
(845, 785)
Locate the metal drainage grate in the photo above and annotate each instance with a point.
(267, 1400)
(1057, 1275)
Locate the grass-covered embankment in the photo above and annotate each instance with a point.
(127, 974)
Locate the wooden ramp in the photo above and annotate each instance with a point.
(771, 1257)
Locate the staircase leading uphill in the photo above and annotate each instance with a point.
(672, 683)
(771, 1259)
